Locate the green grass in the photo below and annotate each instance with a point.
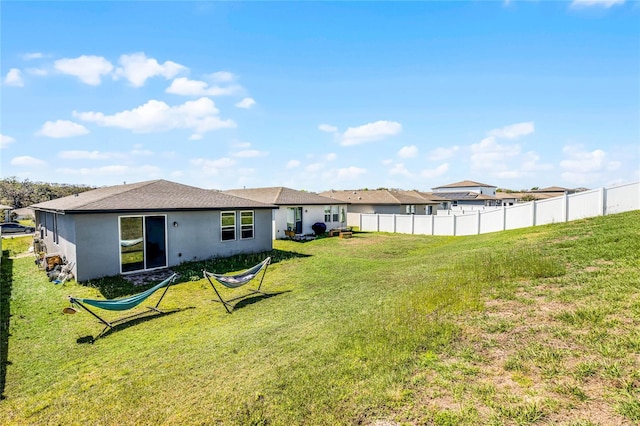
(522, 327)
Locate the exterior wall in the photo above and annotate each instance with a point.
(592, 203)
(310, 215)
(92, 241)
(421, 209)
(479, 189)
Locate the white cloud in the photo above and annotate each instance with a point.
(6, 140)
(582, 167)
(137, 68)
(434, 173)
(186, 87)
(31, 56)
(62, 129)
(600, 3)
(14, 78)
(27, 161)
(292, 164)
(490, 156)
(213, 167)
(331, 156)
(246, 103)
(86, 155)
(146, 171)
(410, 151)
(350, 173)
(241, 145)
(250, 153)
(89, 69)
(328, 128)
(37, 71)
(314, 167)
(513, 131)
(370, 132)
(222, 77)
(200, 116)
(399, 169)
(440, 154)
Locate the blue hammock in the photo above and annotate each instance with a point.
(238, 280)
(122, 304)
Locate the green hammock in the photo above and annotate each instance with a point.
(122, 304)
(238, 280)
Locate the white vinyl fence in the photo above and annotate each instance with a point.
(596, 202)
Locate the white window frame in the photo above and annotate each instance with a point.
(335, 213)
(327, 213)
(252, 226)
(223, 227)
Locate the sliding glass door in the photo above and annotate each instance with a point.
(143, 243)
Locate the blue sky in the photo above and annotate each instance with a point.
(322, 95)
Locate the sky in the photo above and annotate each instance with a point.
(321, 95)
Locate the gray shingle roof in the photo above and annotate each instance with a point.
(282, 196)
(377, 196)
(465, 184)
(148, 195)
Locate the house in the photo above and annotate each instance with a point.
(383, 201)
(467, 194)
(150, 225)
(24, 213)
(297, 210)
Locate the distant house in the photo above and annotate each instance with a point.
(383, 201)
(297, 210)
(150, 225)
(24, 213)
(467, 194)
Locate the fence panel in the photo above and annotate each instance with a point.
(622, 198)
(422, 225)
(404, 223)
(519, 216)
(467, 224)
(584, 204)
(491, 221)
(369, 222)
(443, 225)
(550, 211)
(386, 223)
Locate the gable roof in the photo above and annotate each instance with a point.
(465, 184)
(153, 195)
(375, 196)
(280, 195)
(464, 196)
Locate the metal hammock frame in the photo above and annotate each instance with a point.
(238, 280)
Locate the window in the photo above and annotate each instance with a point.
(411, 209)
(246, 225)
(335, 214)
(327, 213)
(228, 226)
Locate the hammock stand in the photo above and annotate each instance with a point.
(238, 280)
(122, 304)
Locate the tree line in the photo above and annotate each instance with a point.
(23, 193)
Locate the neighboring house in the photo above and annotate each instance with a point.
(467, 194)
(150, 225)
(383, 201)
(509, 198)
(297, 210)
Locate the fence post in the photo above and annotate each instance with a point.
(565, 207)
(454, 224)
(504, 217)
(533, 213)
(478, 222)
(395, 226)
(433, 224)
(377, 222)
(360, 221)
(603, 201)
(413, 224)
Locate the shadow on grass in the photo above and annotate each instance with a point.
(250, 299)
(6, 284)
(117, 286)
(130, 321)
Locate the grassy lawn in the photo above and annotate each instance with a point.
(532, 326)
